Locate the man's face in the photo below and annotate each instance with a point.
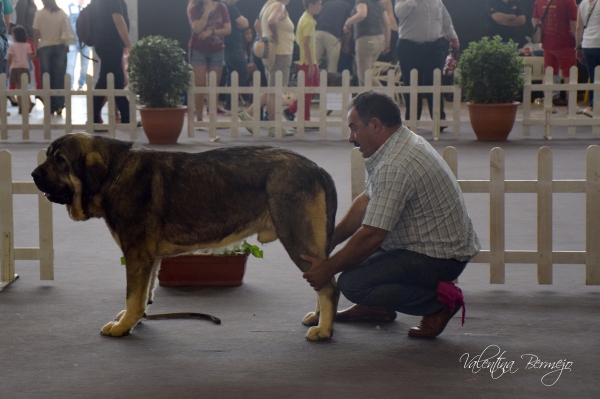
(361, 135)
(315, 8)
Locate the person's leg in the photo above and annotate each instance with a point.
(592, 59)
(435, 56)
(410, 55)
(550, 60)
(44, 59)
(84, 63)
(121, 102)
(71, 59)
(57, 77)
(401, 280)
(199, 81)
(320, 48)
(104, 55)
(236, 61)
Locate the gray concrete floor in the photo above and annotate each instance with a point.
(50, 346)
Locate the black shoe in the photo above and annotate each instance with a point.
(12, 102)
(288, 114)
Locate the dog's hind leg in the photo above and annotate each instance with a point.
(153, 278)
(139, 270)
(306, 230)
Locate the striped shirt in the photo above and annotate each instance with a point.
(414, 195)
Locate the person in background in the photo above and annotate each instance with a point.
(48, 46)
(330, 30)
(3, 34)
(424, 29)
(276, 25)
(210, 23)
(77, 49)
(371, 35)
(587, 43)
(19, 53)
(235, 59)
(558, 41)
(409, 234)
(504, 19)
(305, 37)
(392, 56)
(111, 38)
(6, 10)
(26, 10)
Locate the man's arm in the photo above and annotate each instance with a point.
(508, 19)
(277, 14)
(241, 22)
(352, 220)
(574, 28)
(404, 7)
(3, 34)
(361, 245)
(121, 26)
(578, 37)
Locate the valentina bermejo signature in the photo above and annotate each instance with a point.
(493, 360)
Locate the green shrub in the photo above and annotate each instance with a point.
(491, 72)
(158, 72)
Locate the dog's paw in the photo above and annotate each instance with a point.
(311, 319)
(319, 334)
(114, 329)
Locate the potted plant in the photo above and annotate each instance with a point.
(222, 267)
(491, 76)
(159, 73)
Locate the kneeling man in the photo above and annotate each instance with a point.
(409, 234)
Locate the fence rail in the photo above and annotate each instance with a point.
(497, 187)
(331, 98)
(8, 252)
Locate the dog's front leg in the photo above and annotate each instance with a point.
(327, 298)
(139, 271)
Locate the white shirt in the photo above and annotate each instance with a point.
(50, 25)
(591, 34)
(423, 21)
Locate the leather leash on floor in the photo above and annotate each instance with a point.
(184, 315)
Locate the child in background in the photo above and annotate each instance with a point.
(18, 52)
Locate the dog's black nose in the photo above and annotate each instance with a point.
(36, 174)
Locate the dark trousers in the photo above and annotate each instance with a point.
(235, 61)
(399, 279)
(111, 61)
(53, 60)
(592, 59)
(425, 58)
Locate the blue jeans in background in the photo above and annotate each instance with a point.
(235, 61)
(71, 60)
(399, 279)
(592, 59)
(53, 60)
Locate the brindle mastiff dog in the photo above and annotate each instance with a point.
(159, 203)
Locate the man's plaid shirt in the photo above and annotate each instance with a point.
(414, 195)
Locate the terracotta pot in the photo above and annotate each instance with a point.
(202, 270)
(492, 122)
(162, 125)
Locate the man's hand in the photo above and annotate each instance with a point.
(318, 275)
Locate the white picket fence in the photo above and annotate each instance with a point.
(549, 119)
(497, 187)
(331, 98)
(68, 126)
(9, 253)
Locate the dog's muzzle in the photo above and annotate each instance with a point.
(61, 195)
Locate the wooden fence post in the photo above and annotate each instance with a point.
(592, 269)
(7, 261)
(497, 237)
(544, 216)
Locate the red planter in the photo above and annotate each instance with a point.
(202, 270)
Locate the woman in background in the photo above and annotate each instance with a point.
(210, 22)
(52, 52)
(371, 35)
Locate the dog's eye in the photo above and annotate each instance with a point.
(59, 159)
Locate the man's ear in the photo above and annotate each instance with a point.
(377, 125)
(95, 171)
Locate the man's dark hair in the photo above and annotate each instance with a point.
(19, 33)
(374, 104)
(308, 2)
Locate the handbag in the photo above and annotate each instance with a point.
(67, 35)
(538, 35)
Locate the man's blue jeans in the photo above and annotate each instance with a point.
(53, 60)
(399, 279)
(84, 62)
(235, 61)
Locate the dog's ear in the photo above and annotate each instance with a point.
(93, 172)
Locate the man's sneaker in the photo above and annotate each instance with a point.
(288, 114)
(245, 117)
(284, 132)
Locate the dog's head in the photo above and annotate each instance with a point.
(76, 167)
